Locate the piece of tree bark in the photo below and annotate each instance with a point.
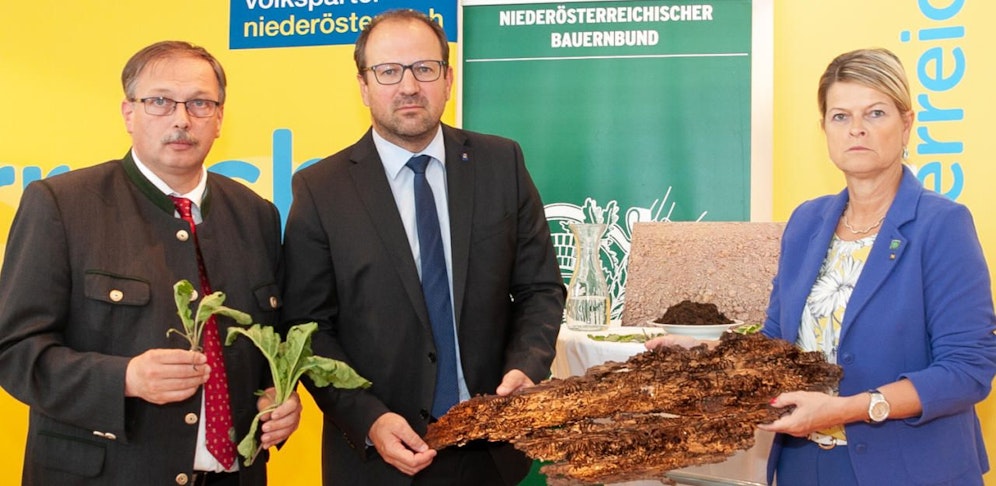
(660, 410)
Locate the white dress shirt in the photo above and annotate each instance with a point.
(402, 181)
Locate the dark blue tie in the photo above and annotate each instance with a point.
(435, 289)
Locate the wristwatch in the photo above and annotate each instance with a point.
(878, 407)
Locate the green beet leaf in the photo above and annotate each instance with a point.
(212, 305)
(193, 327)
(289, 360)
(183, 293)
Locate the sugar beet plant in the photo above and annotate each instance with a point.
(193, 323)
(289, 360)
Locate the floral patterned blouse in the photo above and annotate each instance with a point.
(827, 302)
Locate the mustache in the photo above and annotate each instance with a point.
(180, 137)
(418, 100)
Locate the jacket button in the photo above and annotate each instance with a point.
(182, 235)
(182, 479)
(190, 418)
(432, 357)
(274, 302)
(424, 414)
(115, 295)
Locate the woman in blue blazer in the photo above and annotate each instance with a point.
(889, 281)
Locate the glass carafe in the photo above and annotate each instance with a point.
(588, 306)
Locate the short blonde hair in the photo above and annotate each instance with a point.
(878, 69)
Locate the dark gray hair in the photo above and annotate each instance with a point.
(163, 50)
(359, 52)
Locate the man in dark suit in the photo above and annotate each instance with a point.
(358, 262)
(87, 293)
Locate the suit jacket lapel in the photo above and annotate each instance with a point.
(378, 200)
(460, 199)
(886, 251)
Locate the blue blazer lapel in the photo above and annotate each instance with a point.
(460, 165)
(377, 199)
(887, 249)
(812, 261)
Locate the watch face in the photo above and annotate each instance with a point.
(879, 411)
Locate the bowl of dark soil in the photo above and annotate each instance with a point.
(699, 320)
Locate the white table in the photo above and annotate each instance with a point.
(576, 352)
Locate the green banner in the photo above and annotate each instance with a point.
(628, 111)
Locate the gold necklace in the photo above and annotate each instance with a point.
(857, 231)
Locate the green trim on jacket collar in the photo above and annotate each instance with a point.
(150, 191)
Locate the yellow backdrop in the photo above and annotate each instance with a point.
(60, 64)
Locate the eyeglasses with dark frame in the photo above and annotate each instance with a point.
(390, 73)
(163, 106)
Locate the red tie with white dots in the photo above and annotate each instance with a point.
(216, 406)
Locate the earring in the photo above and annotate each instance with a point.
(906, 153)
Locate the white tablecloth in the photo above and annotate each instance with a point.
(576, 352)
